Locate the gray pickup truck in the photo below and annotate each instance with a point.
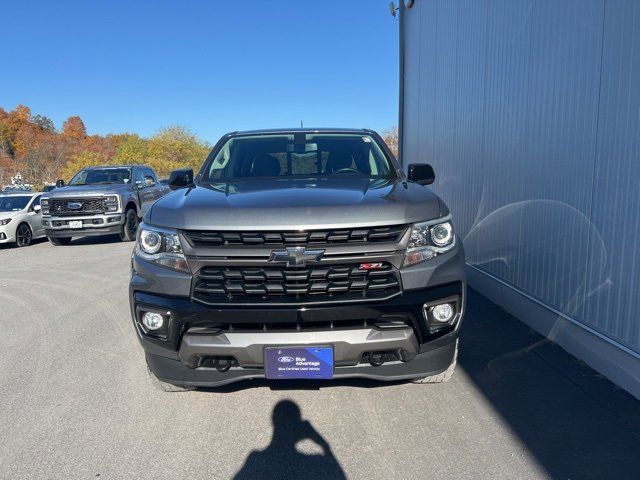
(298, 254)
(100, 201)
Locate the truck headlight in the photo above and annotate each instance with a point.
(429, 239)
(111, 203)
(162, 247)
(44, 205)
(4, 221)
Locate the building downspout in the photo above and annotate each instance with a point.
(401, 11)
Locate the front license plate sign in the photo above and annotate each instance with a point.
(298, 362)
(75, 224)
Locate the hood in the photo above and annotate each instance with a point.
(75, 190)
(272, 204)
(12, 214)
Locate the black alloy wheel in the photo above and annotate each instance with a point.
(23, 235)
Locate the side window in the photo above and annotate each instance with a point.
(149, 173)
(36, 201)
(219, 164)
(138, 176)
(373, 164)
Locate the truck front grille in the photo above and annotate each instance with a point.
(297, 238)
(317, 283)
(85, 206)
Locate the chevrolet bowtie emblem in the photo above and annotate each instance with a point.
(295, 256)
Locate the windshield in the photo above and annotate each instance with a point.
(299, 155)
(101, 176)
(14, 203)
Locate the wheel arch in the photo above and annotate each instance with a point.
(21, 222)
(131, 205)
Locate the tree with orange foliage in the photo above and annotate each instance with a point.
(73, 127)
(390, 137)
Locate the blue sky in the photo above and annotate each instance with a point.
(213, 66)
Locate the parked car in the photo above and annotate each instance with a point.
(20, 218)
(17, 189)
(298, 254)
(100, 201)
(48, 188)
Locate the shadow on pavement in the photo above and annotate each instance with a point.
(12, 246)
(575, 422)
(282, 459)
(280, 385)
(96, 240)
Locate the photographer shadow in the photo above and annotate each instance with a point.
(281, 459)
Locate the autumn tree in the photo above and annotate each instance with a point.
(390, 137)
(175, 147)
(79, 161)
(132, 150)
(31, 145)
(73, 127)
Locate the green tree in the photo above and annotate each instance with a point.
(131, 149)
(175, 147)
(79, 161)
(43, 123)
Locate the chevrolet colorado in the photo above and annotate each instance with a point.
(298, 253)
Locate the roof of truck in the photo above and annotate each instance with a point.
(302, 130)
(101, 167)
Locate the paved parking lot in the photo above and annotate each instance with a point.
(75, 401)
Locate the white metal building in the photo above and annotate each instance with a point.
(529, 111)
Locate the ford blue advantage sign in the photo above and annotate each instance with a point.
(298, 362)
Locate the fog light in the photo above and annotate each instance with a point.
(152, 320)
(443, 313)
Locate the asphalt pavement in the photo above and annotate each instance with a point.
(75, 400)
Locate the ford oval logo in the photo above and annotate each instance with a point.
(285, 359)
(74, 205)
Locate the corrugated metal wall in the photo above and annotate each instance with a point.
(529, 111)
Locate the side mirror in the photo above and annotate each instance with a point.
(59, 183)
(181, 178)
(37, 208)
(421, 173)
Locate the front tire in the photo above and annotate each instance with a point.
(24, 235)
(59, 241)
(130, 226)
(443, 376)
(165, 386)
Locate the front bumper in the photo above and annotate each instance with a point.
(103, 224)
(7, 233)
(431, 362)
(195, 334)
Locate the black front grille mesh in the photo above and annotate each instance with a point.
(302, 238)
(295, 284)
(87, 205)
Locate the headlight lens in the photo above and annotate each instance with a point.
(111, 203)
(428, 240)
(44, 205)
(442, 234)
(4, 221)
(162, 247)
(150, 241)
